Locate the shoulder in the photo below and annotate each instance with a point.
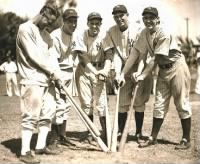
(113, 29)
(26, 27)
(163, 33)
(56, 32)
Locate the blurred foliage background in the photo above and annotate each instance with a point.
(9, 24)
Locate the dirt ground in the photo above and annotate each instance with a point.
(164, 152)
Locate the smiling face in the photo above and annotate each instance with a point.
(150, 21)
(121, 20)
(70, 25)
(94, 27)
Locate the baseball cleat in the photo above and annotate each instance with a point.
(184, 144)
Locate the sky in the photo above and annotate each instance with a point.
(173, 13)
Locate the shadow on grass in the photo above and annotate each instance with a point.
(77, 141)
(15, 144)
(145, 138)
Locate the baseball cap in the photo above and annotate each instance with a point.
(94, 15)
(119, 9)
(150, 10)
(70, 13)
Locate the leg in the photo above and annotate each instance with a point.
(180, 90)
(47, 113)
(185, 142)
(160, 109)
(9, 84)
(14, 80)
(103, 126)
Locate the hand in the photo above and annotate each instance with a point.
(56, 75)
(135, 75)
(103, 72)
(138, 76)
(119, 80)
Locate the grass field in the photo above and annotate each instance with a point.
(170, 135)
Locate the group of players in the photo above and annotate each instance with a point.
(46, 60)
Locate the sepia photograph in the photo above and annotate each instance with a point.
(100, 82)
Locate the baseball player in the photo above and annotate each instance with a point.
(36, 72)
(91, 59)
(197, 85)
(10, 68)
(63, 52)
(119, 41)
(173, 76)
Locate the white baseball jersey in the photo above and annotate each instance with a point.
(122, 42)
(32, 46)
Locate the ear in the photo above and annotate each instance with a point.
(158, 20)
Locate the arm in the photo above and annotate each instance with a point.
(83, 58)
(148, 69)
(33, 52)
(130, 61)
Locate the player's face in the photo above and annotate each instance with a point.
(94, 27)
(48, 17)
(121, 20)
(70, 25)
(150, 21)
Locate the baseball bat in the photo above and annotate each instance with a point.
(126, 128)
(88, 123)
(74, 87)
(108, 122)
(115, 125)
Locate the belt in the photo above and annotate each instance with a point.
(166, 66)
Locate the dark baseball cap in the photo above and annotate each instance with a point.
(150, 10)
(70, 13)
(94, 15)
(119, 9)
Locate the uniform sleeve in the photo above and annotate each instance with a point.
(140, 44)
(162, 44)
(28, 41)
(107, 42)
(80, 42)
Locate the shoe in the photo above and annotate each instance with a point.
(90, 138)
(140, 138)
(29, 158)
(148, 143)
(47, 151)
(65, 141)
(54, 145)
(184, 144)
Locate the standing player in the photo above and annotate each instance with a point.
(63, 52)
(197, 84)
(91, 59)
(119, 41)
(10, 68)
(173, 76)
(37, 92)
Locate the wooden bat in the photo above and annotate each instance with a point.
(113, 147)
(74, 87)
(126, 128)
(88, 123)
(108, 122)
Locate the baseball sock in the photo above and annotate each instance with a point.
(63, 128)
(42, 136)
(186, 126)
(139, 117)
(157, 122)
(26, 140)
